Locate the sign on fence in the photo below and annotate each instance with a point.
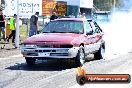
(26, 7)
(50, 6)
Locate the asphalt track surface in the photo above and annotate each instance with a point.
(15, 73)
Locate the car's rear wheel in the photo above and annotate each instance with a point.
(100, 53)
(80, 58)
(30, 61)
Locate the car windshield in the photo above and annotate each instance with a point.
(64, 27)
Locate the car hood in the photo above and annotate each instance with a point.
(52, 38)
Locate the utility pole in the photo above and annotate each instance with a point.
(17, 27)
(114, 5)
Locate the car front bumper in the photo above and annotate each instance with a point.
(50, 52)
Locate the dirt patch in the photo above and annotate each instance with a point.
(7, 50)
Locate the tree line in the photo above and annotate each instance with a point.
(107, 5)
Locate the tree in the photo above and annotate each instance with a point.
(2, 4)
(107, 5)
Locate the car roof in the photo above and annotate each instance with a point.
(70, 19)
(73, 19)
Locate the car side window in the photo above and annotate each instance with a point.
(95, 27)
(88, 27)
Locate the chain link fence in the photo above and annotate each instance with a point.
(25, 26)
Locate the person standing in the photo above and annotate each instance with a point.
(2, 25)
(83, 16)
(79, 15)
(13, 28)
(34, 24)
(54, 16)
(72, 15)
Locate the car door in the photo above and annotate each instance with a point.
(97, 35)
(89, 38)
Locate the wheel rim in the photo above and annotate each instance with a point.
(102, 52)
(82, 56)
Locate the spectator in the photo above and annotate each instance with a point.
(13, 28)
(79, 15)
(72, 15)
(34, 24)
(2, 25)
(83, 16)
(54, 16)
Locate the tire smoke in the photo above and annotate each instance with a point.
(118, 34)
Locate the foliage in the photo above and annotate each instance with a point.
(107, 5)
(2, 4)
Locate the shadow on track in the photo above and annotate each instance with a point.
(45, 65)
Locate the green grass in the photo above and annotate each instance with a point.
(24, 30)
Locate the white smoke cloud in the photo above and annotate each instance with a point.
(118, 34)
(127, 4)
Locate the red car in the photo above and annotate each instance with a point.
(67, 38)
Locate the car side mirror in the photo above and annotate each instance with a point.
(89, 33)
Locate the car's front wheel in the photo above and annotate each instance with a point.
(80, 58)
(30, 61)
